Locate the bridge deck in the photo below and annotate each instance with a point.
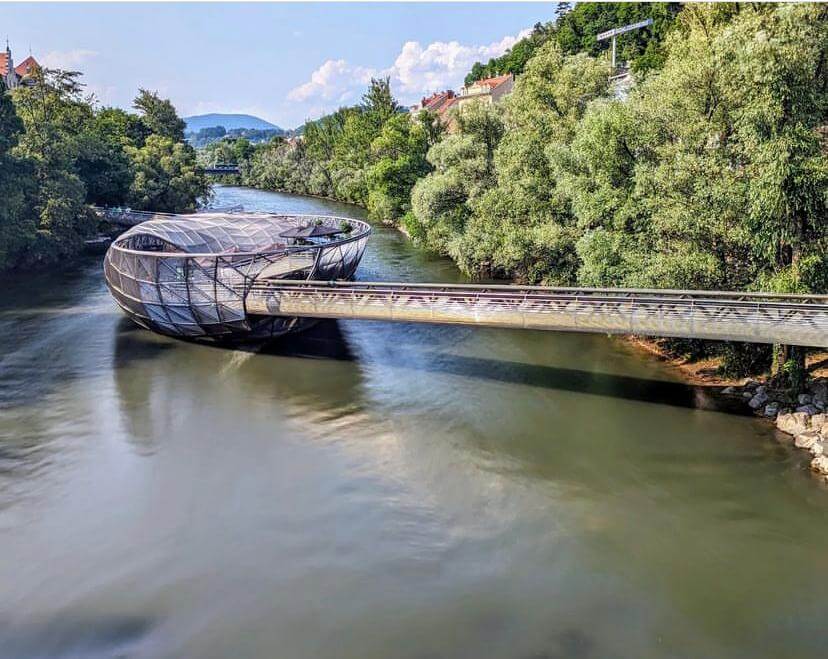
(750, 317)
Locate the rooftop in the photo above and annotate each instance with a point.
(26, 66)
(489, 83)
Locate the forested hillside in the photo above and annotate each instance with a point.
(574, 32)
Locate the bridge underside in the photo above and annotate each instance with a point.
(754, 318)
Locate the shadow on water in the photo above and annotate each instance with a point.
(106, 636)
(326, 341)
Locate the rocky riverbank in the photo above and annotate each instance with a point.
(802, 416)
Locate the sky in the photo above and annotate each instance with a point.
(282, 62)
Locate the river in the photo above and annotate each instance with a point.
(370, 490)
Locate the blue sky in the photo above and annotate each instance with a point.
(282, 62)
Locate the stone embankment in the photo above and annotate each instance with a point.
(804, 418)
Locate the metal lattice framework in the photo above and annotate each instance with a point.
(750, 317)
(189, 275)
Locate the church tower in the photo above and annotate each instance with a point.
(11, 76)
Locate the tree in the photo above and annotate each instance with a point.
(399, 160)
(17, 224)
(575, 29)
(713, 175)
(523, 226)
(379, 103)
(463, 164)
(122, 127)
(54, 114)
(159, 115)
(167, 177)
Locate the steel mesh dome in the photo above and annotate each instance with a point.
(189, 275)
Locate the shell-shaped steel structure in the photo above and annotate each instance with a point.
(189, 275)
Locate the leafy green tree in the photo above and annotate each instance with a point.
(103, 166)
(714, 174)
(575, 29)
(399, 160)
(17, 224)
(54, 114)
(242, 150)
(159, 115)
(167, 177)
(287, 167)
(378, 102)
(10, 124)
(166, 173)
(463, 164)
(123, 127)
(216, 153)
(523, 226)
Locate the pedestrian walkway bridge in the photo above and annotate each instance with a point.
(752, 317)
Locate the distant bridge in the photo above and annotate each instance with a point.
(222, 170)
(715, 315)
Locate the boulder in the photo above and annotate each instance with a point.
(817, 448)
(758, 400)
(819, 404)
(820, 464)
(805, 399)
(810, 410)
(806, 439)
(747, 394)
(729, 391)
(818, 421)
(793, 423)
(771, 410)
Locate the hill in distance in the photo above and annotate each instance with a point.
(229, 121)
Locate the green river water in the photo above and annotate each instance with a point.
(371, 490)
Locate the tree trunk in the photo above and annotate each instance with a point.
(788, 370)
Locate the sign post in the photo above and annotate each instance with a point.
(620, 30)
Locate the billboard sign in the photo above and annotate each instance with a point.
(620, 30)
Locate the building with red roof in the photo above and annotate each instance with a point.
(488, 90)
(15, 76)
(437, 102)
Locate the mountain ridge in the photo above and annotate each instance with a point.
(229, 120)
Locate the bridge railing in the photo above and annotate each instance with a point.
(717, 315)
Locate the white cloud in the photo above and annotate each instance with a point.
(416, 71)
(334, 80)
(441, 64)
(66, 59)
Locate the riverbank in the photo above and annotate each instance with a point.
(800, 417)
